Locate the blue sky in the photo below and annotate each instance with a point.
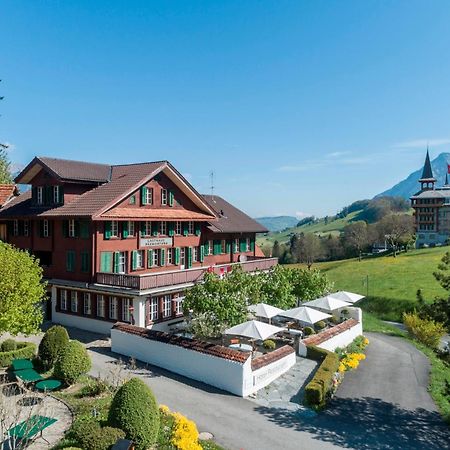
(299, 107)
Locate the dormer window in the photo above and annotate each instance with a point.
(40, 195)
(163, 196)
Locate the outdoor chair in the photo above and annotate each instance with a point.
(26, 431)
(28, 376)
(21, 364)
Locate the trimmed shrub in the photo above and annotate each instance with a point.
(316, 353)
(334, 319)
(91, 436)
(93, 387)
(134, 410)
(8, 345)
(54, 340)
(308, 331)
(426, 331)
(269, 344)
(24, 350)
(73, 362)
(321, 325)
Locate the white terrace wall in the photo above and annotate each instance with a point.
(84, 323)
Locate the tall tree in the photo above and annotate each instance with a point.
(276, 251)
(310, 249)
(355, 237)
(397, 229)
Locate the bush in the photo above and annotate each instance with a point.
(426, 331)
(308, 331)
(91, 436)
(93, 387)
(318, 389)
(320, 325)
(185, 435)
(25, 350)
(54, 341)
(269, 344)
(335, 320)
(8, 345)
(72, 362)
(134, 410)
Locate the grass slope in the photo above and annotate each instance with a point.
(393, 282)
(333, 227)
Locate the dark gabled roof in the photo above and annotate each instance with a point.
(68, 170)
(230, 218)
(427, 173)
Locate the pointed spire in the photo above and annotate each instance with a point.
(427, 173)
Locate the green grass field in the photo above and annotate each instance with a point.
(392, 282)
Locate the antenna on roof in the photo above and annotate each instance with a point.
(211, 177)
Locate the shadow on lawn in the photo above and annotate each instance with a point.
(368, 424)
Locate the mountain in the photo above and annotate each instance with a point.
(410, 185)
(277, 223)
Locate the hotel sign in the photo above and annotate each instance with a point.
(155, 242)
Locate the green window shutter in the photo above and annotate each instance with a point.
(48, 194)
(155, 225)
(228, 246)
(77, 228)
(149, 258)
(70, 261)
(171, 198)
(124, 229)
(198, 228)
(162, 257)
(85, 261)
(142, 228)
(106, 261)
(116, 262)
(185, 228)
(189, 257)
(84, 229)
(107, 230)
(171, 228)
(216, 247)
(177, 256)
(242, 245)
(252, 245)
(61, 195)
(34, 195)
(143, 195)
(134, 259)
(202, 253)
(50, 227)
(65, 228)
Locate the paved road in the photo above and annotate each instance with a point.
(382, 405)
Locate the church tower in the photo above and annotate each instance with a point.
(427, 179)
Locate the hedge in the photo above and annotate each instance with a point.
(316, 391)
(25, 350)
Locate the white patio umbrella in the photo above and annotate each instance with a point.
(264, 310)
(347, 296)
(254, 329)
(327, 303)
(305, 314)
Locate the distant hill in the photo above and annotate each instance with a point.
(410, 185)
(277, 223)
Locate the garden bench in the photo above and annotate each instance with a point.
(26, 430)
(28, 375)
(21, 364)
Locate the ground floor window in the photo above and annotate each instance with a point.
(153, 309)
(179, 305)
(113, 308)
(63, 300)
(73, 301)
(100, 305)
(126, 313)
(87, 304)
(167, 306)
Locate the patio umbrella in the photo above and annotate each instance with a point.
(305, 314)
(254, 329)
(327, 303)
(347, 296)
(264, 310)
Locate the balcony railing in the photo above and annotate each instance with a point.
(162, 279)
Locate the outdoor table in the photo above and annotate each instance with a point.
(28, 375)
(48, 385)
(241, 347)
(21, 364)
(28, 428)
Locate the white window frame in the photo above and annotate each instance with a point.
(149, 196)
(210, 247)
(16, 227)
(100, 305)
(153, 309)
(163, 227)
(131, 230)
(63, 300)
(126, 313)
(169, 256)
(195, 253)
(167, 306)
(113, 310)
(178, 228)
(56, 194)
(140, 259)
(147, 228)
(155, 257)
(179, 305)
(183, 256)
(45, 228)
(87, 307)
(247, 244)
(237, 245)
(223, 246)
(122, 262)
(163, 196)
(71, 228)
(114, 228)
(191, 227)
(74, 301)
(40, 195)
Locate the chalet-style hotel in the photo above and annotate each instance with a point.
(431, 209)
(124, 242)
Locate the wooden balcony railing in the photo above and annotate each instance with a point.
(162, 279)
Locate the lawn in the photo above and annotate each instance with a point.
(390, 283)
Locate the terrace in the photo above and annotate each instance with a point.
(186, 276)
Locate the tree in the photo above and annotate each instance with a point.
(309, 249)
(309, 284)
(333, 247)
(5, 165)
(397, 229)
(72, 362)
(276, 251)
(273, 287)
(52, 344)
(21, 291)
(355, 237)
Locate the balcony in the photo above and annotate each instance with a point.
(162, 279)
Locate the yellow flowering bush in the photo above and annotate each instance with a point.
(366, 342)
(164, 409)
(185, 435)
